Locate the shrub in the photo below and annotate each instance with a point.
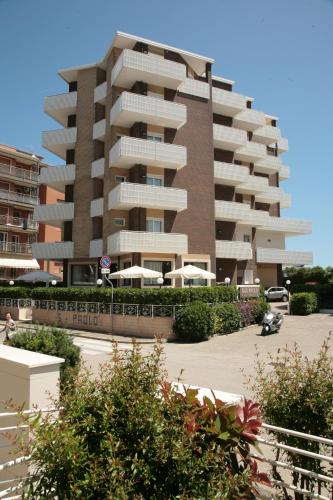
(50, 341)
(164, 296)
(246, 312)
(324, 293)
(296, 393)
(228, 319)
(127, 434)
(259, 308)
(15, 292)
(303, 303)
(194, 322)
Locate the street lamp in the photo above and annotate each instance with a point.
(53, 282)
(99, 282)
(11, 283)
(227, 281)
(257, 281)
(160, 281)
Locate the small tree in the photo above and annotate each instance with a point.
(297, 393)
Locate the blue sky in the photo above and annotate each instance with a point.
(279, 52)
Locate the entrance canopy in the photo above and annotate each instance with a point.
(19, 263)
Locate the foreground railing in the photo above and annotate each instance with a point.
(15, 302)
(147, 310)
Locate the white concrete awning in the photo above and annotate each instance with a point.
(19, 263)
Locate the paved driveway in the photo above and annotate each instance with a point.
(218, 363)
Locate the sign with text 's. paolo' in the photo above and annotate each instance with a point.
(105, 262)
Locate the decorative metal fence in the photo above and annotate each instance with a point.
(146, 310)
(5, 302)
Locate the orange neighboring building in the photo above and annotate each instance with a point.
(19, 194)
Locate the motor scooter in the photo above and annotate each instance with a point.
(271, 323)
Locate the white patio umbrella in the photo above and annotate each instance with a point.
(35, 276)
(191, 273)
(135, 272)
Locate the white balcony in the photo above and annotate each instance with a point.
(58, 177)
(19, 175)
(282, 145)
(231, 211)
(228, 137)
(129, 150)
(97, 168)
(268, 164)
(100, 93)
(97, 207)
(55, 214)
(238, 250)
(99, 130)
(127, 195)
(124, 242)
(194, 87)
(14, 198)
(249, 119)
(255, 218)
(274, 195)
(267, 134)
(284, 173)
(53, 251)
(286, 257)
(227, 103)
(60, 106)
(251, 152)
(130, 108)
(18, 223)
(288, 226)
(58, 141)
(96, 248)
(229, 174)
(15, 248)
(133, 66)
(253, 185)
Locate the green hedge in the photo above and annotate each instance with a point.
(304, 303)
(155, 296)
(194, 322)
(324, 293)
(15, 292)
(227, 319)
(259, 308)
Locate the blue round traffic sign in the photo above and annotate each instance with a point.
(105, 262)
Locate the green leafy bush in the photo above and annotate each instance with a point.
(51, 341)
(227, 319)
(259, 308)
(15, 292)
(303, 303)
(296, 392)
(128, 434)
(164, 296)
(194, 322)
(324, 293)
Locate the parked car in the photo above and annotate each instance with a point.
(277, 293)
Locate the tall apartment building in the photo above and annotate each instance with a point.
(19, 194)
(165, 165)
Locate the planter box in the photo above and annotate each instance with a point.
(117, 324)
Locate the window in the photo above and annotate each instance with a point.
(83, 274)
(155, 137)
(120, 178)
(247, 238)
(119, 221)
(161, 266)
(155, 225)
(154, 180)
(197, 282)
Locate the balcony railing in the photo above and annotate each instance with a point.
(251, 152)
(194, 87)
(96, 248)
(130, 108)
(281, 256)
(227, 103)
(284, 173)
(238, 250)
(11, 196)
(100, 93)
(229, 174)
(231, 211)
(99, 129)
(58, 177)
(268, 164)
(18, 173)
(97, 168)
(54, 214)
(249, 119)
(128, 195)
(97, 207)
(228, 137)
(7, 220)
(59, 141)
(129, 150)
(53, 251)
(133, 66)
(267, 134)
(124, 242)
(274, 195)
(11, 247)
(60, 106)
